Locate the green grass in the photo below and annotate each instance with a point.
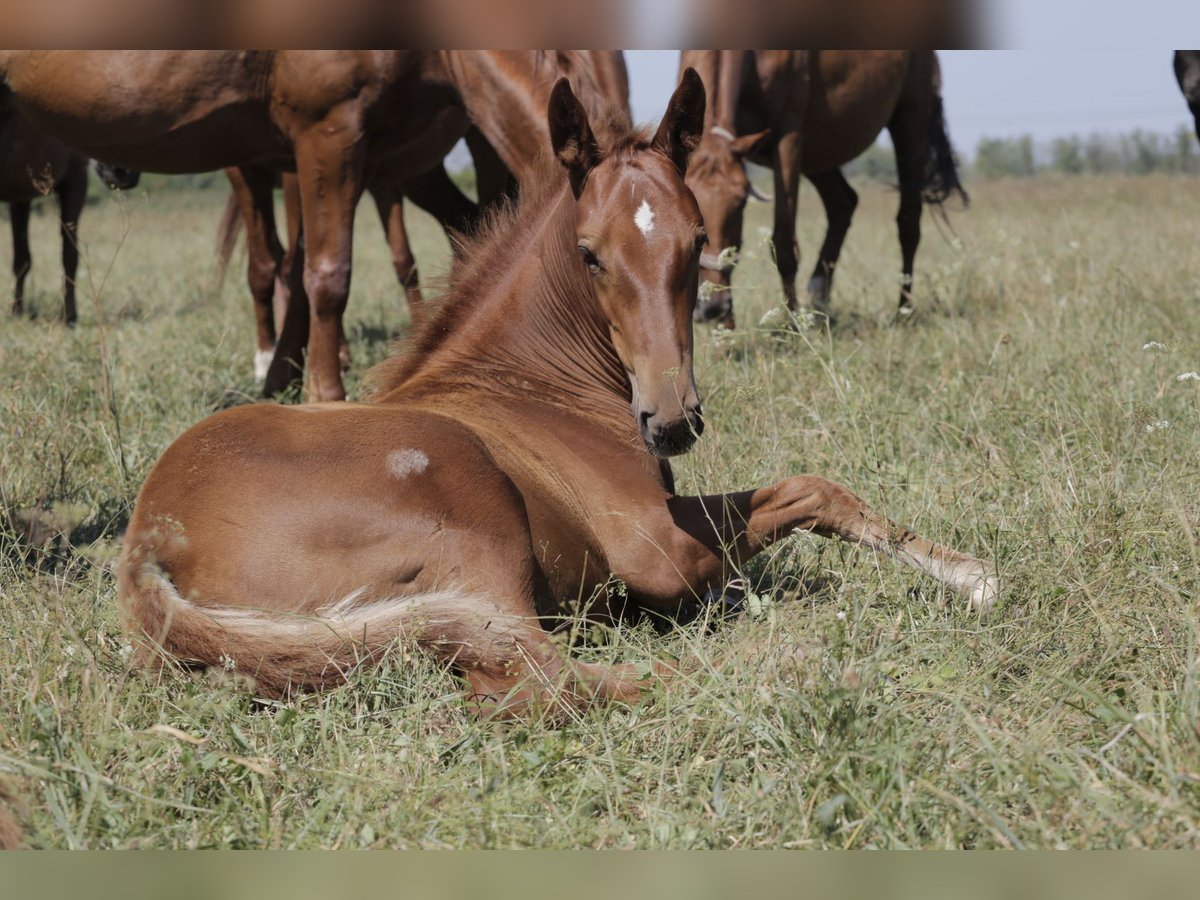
(1017, 417)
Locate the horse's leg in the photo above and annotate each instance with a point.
(515, 669)
(840, 201)
(436, 193)
(330, 169)
(697, 544)
(787, 195)
(255, 194)
(72, 194)
(389, 200)
(22, 260)
(909, 128)
(291, 209)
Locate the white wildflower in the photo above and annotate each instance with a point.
(125, 651)
(771, 317)
(1154, 345)
(841, 615)
(1188, 376)
(70, 649)
(1160, 425)
(728, 258)
(228, 663)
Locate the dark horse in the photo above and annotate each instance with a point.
(338, 117)
(807, 112)
(1187, 73)
(511, 463)
(32, 165)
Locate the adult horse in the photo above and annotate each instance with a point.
(513, 460)
(337, 117)
(33, 165)
(1187, 73)
(807, 112)
(522, 80)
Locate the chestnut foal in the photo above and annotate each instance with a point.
(513, 457)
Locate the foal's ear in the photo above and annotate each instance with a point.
(571, 135)
(683, 125)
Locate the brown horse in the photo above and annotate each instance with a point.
(337, 117)
(599, 78)
(807, 112)
(513, 460)
(32, 165)
(1187, 73)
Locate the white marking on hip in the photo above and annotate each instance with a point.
(644, 218)
(402, 463)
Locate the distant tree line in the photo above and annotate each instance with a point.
(1136, 153)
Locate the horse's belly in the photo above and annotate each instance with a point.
(852, 99)
(163, 111)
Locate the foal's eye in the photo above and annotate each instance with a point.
(589, 259)
(701, 240)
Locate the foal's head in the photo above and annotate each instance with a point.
(719, 180)
(639, 234)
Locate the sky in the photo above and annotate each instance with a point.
(1044, 91)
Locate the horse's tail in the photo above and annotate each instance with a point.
(941, 165)
(284, 652)
(11, 837)
(227, 235)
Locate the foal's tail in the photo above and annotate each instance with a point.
(284, 652)
(941, 166)
(227, 235)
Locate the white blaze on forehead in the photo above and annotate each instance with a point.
(402, 463)
(644, 218)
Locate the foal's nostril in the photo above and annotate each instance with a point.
(644, 421)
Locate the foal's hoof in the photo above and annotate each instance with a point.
(983, 595)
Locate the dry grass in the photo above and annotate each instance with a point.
(1018, 417)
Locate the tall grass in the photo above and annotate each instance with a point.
(1030, 413)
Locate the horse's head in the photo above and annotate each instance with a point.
(639, 234)
(718, 178)
(117, 179)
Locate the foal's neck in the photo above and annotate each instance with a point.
(526, 324)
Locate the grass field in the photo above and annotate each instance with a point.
(1031, 413)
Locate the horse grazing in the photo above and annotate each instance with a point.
(503, 93)
(33, 165)
(335, 116)
(1187, 73)
(807, 112)
(511, 462)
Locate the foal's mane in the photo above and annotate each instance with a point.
(507, 235)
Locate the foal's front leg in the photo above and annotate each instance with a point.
(735, 527)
